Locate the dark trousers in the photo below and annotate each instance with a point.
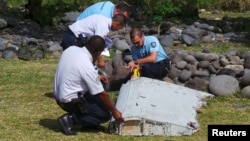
(152, 70)
(87, 111)
(155, 70)
(69, 39)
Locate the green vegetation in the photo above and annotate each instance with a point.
(222, 14)
(157, 9)
(215, 47)
(161, 9)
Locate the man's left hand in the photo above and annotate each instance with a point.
(104, 78)
(101, 64)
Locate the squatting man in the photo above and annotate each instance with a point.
(78, 88)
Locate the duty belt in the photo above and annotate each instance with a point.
(165, 63)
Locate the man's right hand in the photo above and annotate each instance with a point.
(101, 64)
(117, 115)
(104, 97)
(131, 65)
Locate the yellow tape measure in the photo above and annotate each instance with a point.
(136, 73)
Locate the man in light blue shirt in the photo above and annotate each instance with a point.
(148, 55)
(105, 8)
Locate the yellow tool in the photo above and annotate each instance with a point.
(136, 73)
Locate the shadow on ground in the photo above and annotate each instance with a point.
(51, 124)
(49, 94)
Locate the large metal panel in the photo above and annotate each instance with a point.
(154, 107)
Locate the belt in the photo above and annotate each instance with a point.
(80, 40)
(76, 104)
(165, 63)
(74, 100)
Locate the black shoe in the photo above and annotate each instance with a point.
(66, 121)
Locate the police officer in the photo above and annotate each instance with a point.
(148, 55)
(107, 9)
(78, 88)
(80, 31)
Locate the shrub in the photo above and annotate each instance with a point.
(235, 5)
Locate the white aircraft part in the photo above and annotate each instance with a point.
(154, 107)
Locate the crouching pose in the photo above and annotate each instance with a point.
(78, 88)
(148, 55)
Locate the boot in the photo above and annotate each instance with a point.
(66, 121)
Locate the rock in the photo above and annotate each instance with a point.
(206, 39)
(3, 23)
(185, 75)
(32, 52)
(197, 84)
(245, 92)
(2, 45)
(70, 16)
(203, 64)
(181, 64)
(166, 41)
(187, 39)
(55, 47)
(247, 62)
(206, 56)
(9, 53)
(223, 85)
(120, 44)
(245, 80)
(190, 59)
(173, 72)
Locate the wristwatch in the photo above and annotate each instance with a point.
(136, 62)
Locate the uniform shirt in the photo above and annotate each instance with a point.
(105, 8)
(92, 25)
(151, 44)
(76, 73)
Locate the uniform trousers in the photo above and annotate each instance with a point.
(155, 70)
(87, 110)
(69, 39)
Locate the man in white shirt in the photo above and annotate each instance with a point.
(78, 88)
(80, 31)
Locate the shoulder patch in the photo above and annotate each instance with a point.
(153, 44)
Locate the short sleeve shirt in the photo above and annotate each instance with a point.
(105, 8)
(92, 25)
(151, 44)
(76, 73)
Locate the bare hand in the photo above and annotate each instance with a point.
(131, 65)
(101, 63)
(104, 78)
(117, 115)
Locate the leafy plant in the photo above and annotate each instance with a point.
(207, 3)
(52, 9)
(162, 8)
